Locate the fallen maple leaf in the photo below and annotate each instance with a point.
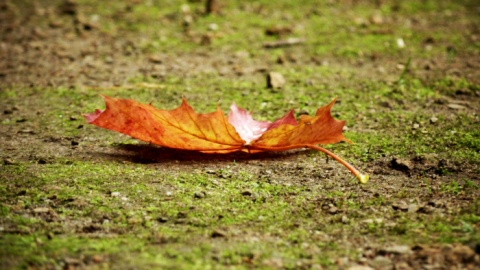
(183, 128)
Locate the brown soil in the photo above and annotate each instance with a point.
(64, 52)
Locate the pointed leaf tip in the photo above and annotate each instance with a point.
(93, 116)
(312, 130)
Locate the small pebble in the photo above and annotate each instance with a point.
(213, 27)
(8, 161)
(433, 120)
(402, 164)
(162, 219)
(400, 249)
(218, 233)
(72, 261)
(156, 59)
(275, 80)
(413, 208)
(400, 206)
(456, 106)
(199, 195)
(41, 210)
(373, 220)
(97, 258)
(333, 210)
(382, 262)
(377, 19)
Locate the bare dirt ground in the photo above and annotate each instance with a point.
(69, 51)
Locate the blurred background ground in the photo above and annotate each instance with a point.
(407, 74)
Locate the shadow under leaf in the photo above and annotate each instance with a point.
(148, 153)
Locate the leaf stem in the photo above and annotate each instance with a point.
(363, 178)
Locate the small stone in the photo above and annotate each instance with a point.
(219, 233)
(427, 209)
(134, 220)
(402, 206)
(400, 43)
(345, 219)
(413, 208)
(399, 249)
(415, 126)
(72, 261)
(115, 194)
(360, 21)
(199, 195)
(162, 219)
(39, 210)
(401, 164)
(213, 27)
(8, 161)
(275, 80)
(26, 131)
(156, 59)
(463, 253)
(97, 258)
(381, 262)
(333, 210)
(342, 262)
(278, 31)
(373, 220)
(456, 106)
(433, 120)
(377, 19)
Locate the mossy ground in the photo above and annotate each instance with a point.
(75, 196)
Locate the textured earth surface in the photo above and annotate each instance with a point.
(76, 197)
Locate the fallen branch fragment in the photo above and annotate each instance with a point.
(283, 43)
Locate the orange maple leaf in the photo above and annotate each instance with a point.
(183, 128)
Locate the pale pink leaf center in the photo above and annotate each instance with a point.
(248, 129)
